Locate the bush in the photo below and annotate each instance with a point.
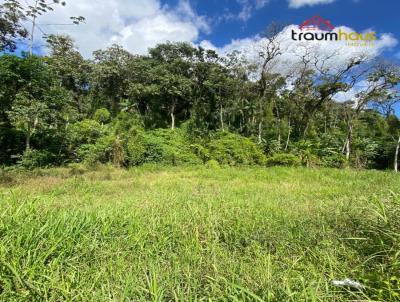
(283, 159)
(31, 159)
(334, 160)
(84, 132)
(169, 147)
(307, 151)
(127, 123)
(212, 164)
(136, 149)
(364, 152)
(233, 149)
(201, 152)
(100, 152)
(102, 116)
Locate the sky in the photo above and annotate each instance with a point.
(222, 25)
(219, 24)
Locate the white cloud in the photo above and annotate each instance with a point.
(334, 53)
(134, 24)
(300, 3)
(351, 94)
(247, 9)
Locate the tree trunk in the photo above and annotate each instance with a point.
(29, 133)
(279, 134)
(172, 114)
(306, 128)
(349, 142)
(396, 156)
(28, 141)
(288, 136)
(221, 118)
(278, 124)
(260, 132)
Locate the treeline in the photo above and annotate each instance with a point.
(182, 104)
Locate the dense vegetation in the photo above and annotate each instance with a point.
(199, 234)
(182, 104)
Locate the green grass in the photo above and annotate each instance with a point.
(186, 234)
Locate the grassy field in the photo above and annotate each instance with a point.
(186, 234)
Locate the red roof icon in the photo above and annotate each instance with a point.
(316, 23)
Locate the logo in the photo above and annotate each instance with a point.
(319, 29)
(316, 23)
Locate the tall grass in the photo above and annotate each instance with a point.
(194, 234)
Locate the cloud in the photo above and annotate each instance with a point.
(301, 3)
(134, 24)
(332, 55)
(351, 94)
(247, 9)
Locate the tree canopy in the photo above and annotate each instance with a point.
(64, 108)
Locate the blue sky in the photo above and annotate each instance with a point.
(380, 16)
(140, 24)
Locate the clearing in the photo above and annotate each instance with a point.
(195, 233)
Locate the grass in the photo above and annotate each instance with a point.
(199, 234)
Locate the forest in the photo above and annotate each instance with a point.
(183, 104)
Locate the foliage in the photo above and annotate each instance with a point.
(169, 147)
(116, 108)
(233, 149)
(11, 30)
(102, 116)
(283, 159)
(212, 164)
(84, 132)
(366, 150)
(32, 158)
(99, 152)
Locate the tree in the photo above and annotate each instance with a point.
(111, 75)
(11, 30)
(377, 88)
(171, 75)
(171, 91)
(71, 70)
(268, 79)
(38, 103)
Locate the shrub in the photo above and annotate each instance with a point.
(307, 150)
(100, 152)
(169, 147)
(233, 149)
(135, 149)
(283, 159)
(84, 132)
(127, 123)
(364, 152)
(334, 160)
(32, 158)
(212, 164)
(201, 152)
(102, 116)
